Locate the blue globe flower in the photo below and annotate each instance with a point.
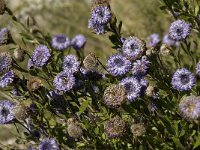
(153, 40)
(78, 42)
(6, 112)
(60, 42)
(70, 63)
(48, 144)
(140, 67)
(118, 65)
(183, 80)
(166, 40)
(7, 79)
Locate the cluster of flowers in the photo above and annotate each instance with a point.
(125, 75)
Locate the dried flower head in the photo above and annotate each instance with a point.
(74, 129)
(20, 111)
(133, 48)
(34, 84)
(5, 62)
(90, 62)
(114, 96)
(165, 50)
(2, 7)
(115, 127)
(189, 107)
(150, 91)
(6, 112)
(60, 42)
(48, 144)
(183, 80)
(19, 54)
(5, 36)
(138, 129)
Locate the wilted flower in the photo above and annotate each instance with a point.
(118, 65)
(133, 48)
(73, 128)
(132, 88)
(183, 80)
(2, 7)
(100, 16)
(5, 36)
(19, 54)
(60, 42)
(115, 127)
(78, 42)
(165, 50)
(5, 62)
(179, 30)
(64, 81)
(48, 144)
(138, 129)
(90, 62)
(189, 107)
(40, 56)
(153, 40)
(6, 112)
(150, 91)
(7, 79)
(114, 96)
(140, 67)
(168, 41)
(20, 111)
(34, 84)
(70, 63)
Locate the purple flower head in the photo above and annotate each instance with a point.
(70, 63)
(183, 80)
(60, 42)
(6, 112)
(5, 36)
(153, 40)
(189, 107)
(78, 42)
(7, 79)
(118, 65)
(179, 30)
(198, 69)
(64, 81)
(143, 83)
(133, 47)
(48, 144)
(132, 88)
(166, 40)
(5, 62)
(140, 67)
(40, 56)
(100, 16)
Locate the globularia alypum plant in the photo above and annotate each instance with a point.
(145, 97)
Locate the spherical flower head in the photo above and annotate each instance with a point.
(2, 7)
(189, 107)
(34, 84)
(78, 42)
(133, 48)
(114, 96)
(198, 69)
(74, 129)
(115, 127)
(153, 40)
(168, 41)
(7, 79)
(143, 83)
(48, 144)
(118, 65)
(64, 81)
(60, 42)
(179, 30)
(20, 111)
(40, 56)
(138, 129)
(132, 88)
(90, 62)
(6, 112)
(70, 63)
(5, 36)
(98, 28)
(140, 67)
(5, 62)
(183, 80)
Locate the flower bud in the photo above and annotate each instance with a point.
(138, 129)
(19, 54)
(90, 62)
(74, 130)
(2, 7)
(34, 84)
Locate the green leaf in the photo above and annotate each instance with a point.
(197, 143)
(178, 143)
(83, 106)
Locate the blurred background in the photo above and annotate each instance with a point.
(140, 18)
